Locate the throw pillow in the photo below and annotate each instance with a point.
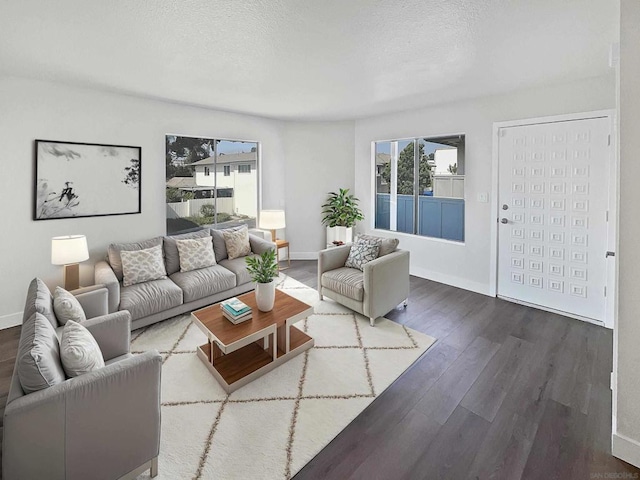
(139, 266)
(387, 246)
(219, 246)
(39, 299)
(362, 252)
(67, 307)
(195, 253)
(79, 351)
(171, 255)
(38, 359)
(237, 242)
(115, 249)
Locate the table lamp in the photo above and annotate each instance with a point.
(69, 250)
(272, 220)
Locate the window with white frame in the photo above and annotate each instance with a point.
(227, 170)
(420, 186)
(244, 168)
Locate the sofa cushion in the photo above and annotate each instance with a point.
(114, 250)
(195, 253)
(237, 242)
(39, 300)
(239, 267)
(151, 297)
(67, 307)
(363, 251)
(345, 281)
(171, 255)
(141, 266)
(79, 351)
(219, 245)
(38, 358)
(204, 282)
(387, 245)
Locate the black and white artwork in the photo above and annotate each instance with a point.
(85, 180)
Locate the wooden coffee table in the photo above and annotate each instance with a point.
(238, 354)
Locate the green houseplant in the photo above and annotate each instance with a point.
(341, 212)
(263, 270)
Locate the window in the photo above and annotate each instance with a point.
(420, 186)
(244, 168)
(200, 190)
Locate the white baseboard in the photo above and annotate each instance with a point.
(626, 449)
(304, 255)
(450, 280)
(11, 320)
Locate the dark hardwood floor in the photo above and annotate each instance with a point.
(506, 392)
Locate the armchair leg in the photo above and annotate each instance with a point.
(154, 467)
(321, 297)
(372, 321)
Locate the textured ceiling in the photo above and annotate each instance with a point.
(305, 59)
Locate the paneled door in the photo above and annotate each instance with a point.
(553, 201)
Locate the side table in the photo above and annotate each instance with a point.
(283, 244)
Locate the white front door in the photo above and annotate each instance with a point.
(553, 200)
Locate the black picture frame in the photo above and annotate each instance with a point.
(77, 179)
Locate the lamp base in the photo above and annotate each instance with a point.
(273, 236)
(72, 276)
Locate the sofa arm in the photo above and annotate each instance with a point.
(112, 332)
(104, 275)
(330, 259)
(102, 424)
(386, 283)
(94, 300)
(260, 245)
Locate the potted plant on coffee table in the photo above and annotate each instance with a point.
(263, 270)
(341, 213)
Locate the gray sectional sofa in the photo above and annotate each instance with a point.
(180, 292)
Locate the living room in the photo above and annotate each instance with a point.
(317, 88)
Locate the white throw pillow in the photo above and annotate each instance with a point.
(195, 253)
(237, 242)
(79, 351)
(67, 307)
(140, 266)
(362, 252)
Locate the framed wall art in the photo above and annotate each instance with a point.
(85, 180)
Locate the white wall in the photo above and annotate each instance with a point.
(32, 110)
(626, 435)
(318, 159)
(467, 265)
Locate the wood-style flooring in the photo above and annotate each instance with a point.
(507, 392)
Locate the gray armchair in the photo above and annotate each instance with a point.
(382, 284)
(101, 425)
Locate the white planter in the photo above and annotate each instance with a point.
(339, 234)
(265, 295)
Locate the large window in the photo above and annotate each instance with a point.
(203, 188)
(420, 186)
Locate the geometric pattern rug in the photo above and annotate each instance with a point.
(270, 428)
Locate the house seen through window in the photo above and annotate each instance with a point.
(203, 186)
(420, 186)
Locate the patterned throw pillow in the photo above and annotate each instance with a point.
(195, 253)
(237, 242)
(79, 351)
(67, 307)
(363, 251)
(387, 245)
(141, 266)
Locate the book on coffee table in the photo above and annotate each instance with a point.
(235, 307)
(236, 320)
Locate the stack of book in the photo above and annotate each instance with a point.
(235, 311)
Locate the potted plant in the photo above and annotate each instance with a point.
(263, 269)
(341, 213)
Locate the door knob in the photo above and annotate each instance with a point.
(505, 207)
(504, 220)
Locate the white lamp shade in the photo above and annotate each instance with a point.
(69, 249)
(272, 219)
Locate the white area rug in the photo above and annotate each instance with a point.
(272, 427)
